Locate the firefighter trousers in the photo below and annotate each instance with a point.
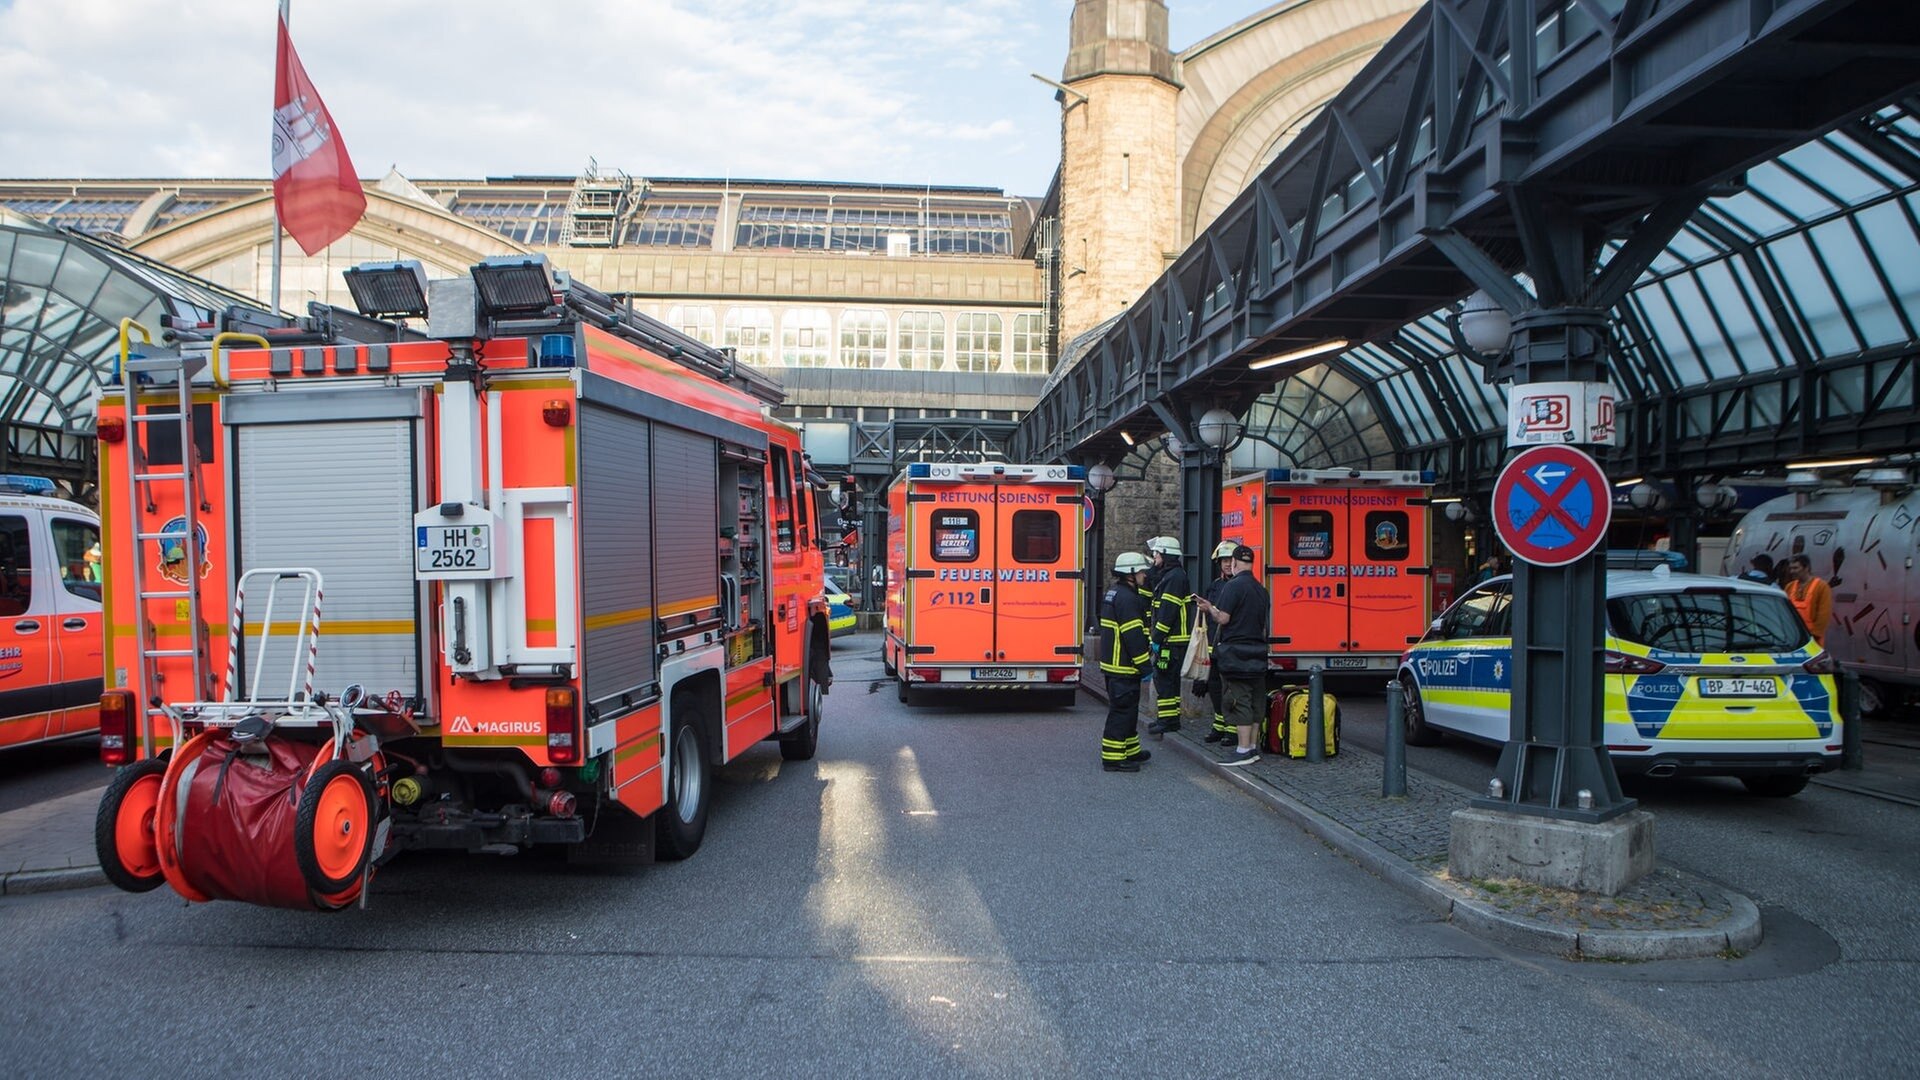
(1121, 739)
(1217, 695)
(1166, 686)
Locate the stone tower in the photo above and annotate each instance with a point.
(1119, 182)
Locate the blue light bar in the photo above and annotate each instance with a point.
(920, 471)
(1076, 472)
(1279, 476)
(26, 485)
(1429, 476)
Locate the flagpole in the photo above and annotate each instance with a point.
(273, 298)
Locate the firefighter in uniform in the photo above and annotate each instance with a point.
(1172, 629)
(1124, 655)
(1215, 689)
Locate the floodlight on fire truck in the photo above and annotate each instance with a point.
(389, 290)
(514, 285)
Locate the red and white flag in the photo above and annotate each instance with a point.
(315, 190)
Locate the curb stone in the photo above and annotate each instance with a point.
(22, 882)
(1740, 932)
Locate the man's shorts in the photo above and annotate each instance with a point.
(1244, 699)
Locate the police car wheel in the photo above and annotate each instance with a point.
(1775, 787)
(1418, 733)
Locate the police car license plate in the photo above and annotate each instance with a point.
(1346, 661)
(1754, 687)
(1006, 673)
(453, 547)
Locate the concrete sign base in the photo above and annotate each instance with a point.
(1603, 857)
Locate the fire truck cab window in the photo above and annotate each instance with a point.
(1386, 535)
(1310, 535)
(956, 536)
(782, 503)
(1036, 536)
(803, 496)
(16, 566)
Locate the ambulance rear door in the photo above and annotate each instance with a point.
(949, 586)
(1386, 556)
(1036, 589)
(1308, 541)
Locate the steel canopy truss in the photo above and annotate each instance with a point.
(1630, 113)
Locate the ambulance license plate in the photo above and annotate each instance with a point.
(1006, 673)
(1755, 687)
(1346, 661)
(452, 547)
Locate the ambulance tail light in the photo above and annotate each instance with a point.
(1063, 674)
(925, 674)
(1821, 664)
(563, 725)
(116, 727)
(1619, 663)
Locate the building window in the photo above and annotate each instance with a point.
(749, 330)
(694, 320)
(1029, 345)
(795, 228)
(806, 338)
(976, 341)
(675, 225)
(923, 341)
(969, 232)
(863, 338)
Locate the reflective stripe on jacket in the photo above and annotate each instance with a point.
(1123, 631)
(1173, 608)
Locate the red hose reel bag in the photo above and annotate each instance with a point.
(235, 827)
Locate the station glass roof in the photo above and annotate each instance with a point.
(1817, 260)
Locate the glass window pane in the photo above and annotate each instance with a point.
(1807, 290)
(1866, 298)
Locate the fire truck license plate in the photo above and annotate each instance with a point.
(995, 673)
(453, 547)
(1760, 687)
(1346, 661)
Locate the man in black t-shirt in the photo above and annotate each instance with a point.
(1241, 610)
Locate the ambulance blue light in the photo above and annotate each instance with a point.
(920, 471)
(1428, 476)
(26, 485)
(1076, 472)
(556, 350)
(1279, 476)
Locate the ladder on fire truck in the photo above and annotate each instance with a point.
(146, 484)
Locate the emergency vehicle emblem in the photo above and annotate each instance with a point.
(173, 550)
(1386, 535)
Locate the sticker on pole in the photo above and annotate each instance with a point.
(1552, 505)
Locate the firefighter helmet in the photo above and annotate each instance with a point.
(1131, 562)
(1165, 545)
(1224, 550)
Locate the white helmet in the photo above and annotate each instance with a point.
(1131, 562)
(1224, 550)
(1165, 545)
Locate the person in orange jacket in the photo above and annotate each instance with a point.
(1811, 596)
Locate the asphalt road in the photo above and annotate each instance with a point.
(948, 890)
(50, 770)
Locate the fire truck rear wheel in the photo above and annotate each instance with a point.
(805, 739)
(1418, 733)
(123, 837)
(682, 821)
(333, 827)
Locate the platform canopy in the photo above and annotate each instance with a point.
(1780, 324)
(62, 296)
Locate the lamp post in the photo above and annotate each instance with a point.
(1219, 431)
(1100, 480)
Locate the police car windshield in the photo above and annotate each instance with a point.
(1717, 621)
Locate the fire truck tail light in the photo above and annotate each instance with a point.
(111, 429)
(1063, 674)
(549, 777)
(116, 727)
(925, 674)
(563, 725)
(556, 412)
(1287, 663)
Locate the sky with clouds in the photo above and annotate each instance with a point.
(902, 91)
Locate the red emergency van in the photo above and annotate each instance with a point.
(49, 614)
(985, 578)
(1344, 554)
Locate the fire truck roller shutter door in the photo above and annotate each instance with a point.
(685, 486)
(339, 497)
(616, 544)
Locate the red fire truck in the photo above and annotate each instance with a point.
(524, 579)
(1344, 554)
